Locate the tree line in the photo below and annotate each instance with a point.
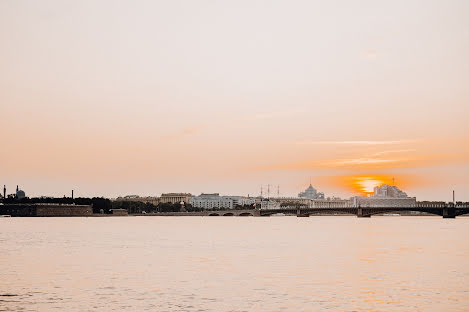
(104, 205)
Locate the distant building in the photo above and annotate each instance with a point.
(131, 197)
(331, 202)
(276, 202)
(20, 193)
(282, 202)
(311, 193)
(270, 204)
(241, 200)
(211, 201)
(388, 191)
(135, 198)
(175, 198)
(215, 201)
(385, 196)
(119, 212)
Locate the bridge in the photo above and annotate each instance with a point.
(238, 213)
(213, 213)
(446, 210)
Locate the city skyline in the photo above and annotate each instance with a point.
(368, 188)
(113, 99)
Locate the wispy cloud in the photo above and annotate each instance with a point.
(352, 142)
(374, 163)
(394, 151)
(363, 161)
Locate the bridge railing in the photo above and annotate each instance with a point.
(428, 204)
(421, 205)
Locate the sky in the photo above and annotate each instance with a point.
(113, 98)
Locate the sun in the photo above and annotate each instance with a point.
(365, 184)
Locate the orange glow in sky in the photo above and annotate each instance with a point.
(365, 184)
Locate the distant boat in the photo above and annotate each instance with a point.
(5, 216)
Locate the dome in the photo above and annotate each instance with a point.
(310, 193)
(20, 194)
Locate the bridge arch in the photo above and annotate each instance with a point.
(228, 214)
(213, 214)
(268, 213)
(392, 210)
(336, 211)
(246, 214)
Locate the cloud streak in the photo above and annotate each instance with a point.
(352, 142)
(374, 163)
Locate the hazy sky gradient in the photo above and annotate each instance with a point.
(143, 97)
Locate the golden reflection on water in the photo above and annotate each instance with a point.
(234, 264)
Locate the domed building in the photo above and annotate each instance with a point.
(311, 193)
(20, 193)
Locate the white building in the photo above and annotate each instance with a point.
(215, 201)
(175, 198)
(211, 201)
(270, 204)
(241, 200)
(389, 191)
(385, 196)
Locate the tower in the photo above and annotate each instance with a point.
(4, 191)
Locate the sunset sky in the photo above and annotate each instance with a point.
(114, 98)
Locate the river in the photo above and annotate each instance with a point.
(327, 263)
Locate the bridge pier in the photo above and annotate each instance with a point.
(449, 213)
(299, 214)
(361, 215)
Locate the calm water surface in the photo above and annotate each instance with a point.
(234, 264)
